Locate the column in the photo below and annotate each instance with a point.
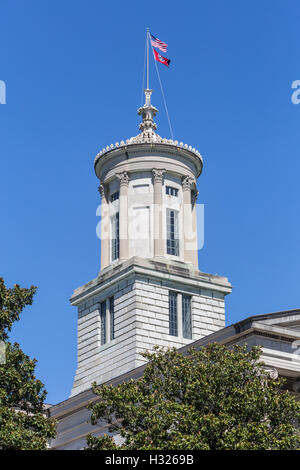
(159, 246)
(188, 236)
(123, 215)
(103, 190)
(194, 196)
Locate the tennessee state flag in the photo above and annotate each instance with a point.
(161, 59)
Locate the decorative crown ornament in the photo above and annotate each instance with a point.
(148, 134)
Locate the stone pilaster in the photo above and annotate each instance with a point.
(188, 237)
(123, 215)
(194, 196)
(159, 248)
(103, 190)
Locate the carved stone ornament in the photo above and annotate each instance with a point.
(187, 183)
(148, 134)
(271, 372)
(194, 196)
(124, 178)
(103, 191)
(158, 175)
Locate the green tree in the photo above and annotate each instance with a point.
(215, 398)
(23, 424)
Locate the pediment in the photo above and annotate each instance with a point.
(289, 320)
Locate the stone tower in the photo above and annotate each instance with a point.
(149, 290)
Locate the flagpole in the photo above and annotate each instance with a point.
(162, 92)
(147, 39)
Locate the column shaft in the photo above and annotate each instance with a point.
(105, 223)
(194, 225)
(188, 236)
(159, 248)
(123, 215)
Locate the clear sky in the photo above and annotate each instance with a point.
(73, 71)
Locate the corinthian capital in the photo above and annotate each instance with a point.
(124, 178)
(187, 183)
(158, 175)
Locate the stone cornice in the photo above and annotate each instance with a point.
(160, 144)
(169, 271)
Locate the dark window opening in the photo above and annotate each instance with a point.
(115, 237)
(112, 318)
(171, 191)
(114, 196)
(173, 325)
(186, 317)
(103, 322)
(172, 233)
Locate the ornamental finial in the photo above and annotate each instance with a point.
(148, 112)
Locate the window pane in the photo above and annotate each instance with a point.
(172, 233)
(112, 318)
(173, 327)
(115, 237)
(114, 196)
(103, 322)
(186, 317)
(171, 191)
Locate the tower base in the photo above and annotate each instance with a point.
(140, 289)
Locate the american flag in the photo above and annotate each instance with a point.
(158, 43)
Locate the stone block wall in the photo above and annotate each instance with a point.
(141, 318)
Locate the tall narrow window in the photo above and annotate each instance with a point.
(173, 324)
(172, 233)
(186, 317)
(115, 237)
(103, 321)
(112, 318)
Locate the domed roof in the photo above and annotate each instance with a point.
(147, 134)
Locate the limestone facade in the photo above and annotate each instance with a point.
(149, 290)
(140, 292)
(278, 334)
(142, 181)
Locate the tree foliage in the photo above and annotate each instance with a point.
(23, 424)
(212, 399)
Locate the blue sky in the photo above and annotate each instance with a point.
(73, 72)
